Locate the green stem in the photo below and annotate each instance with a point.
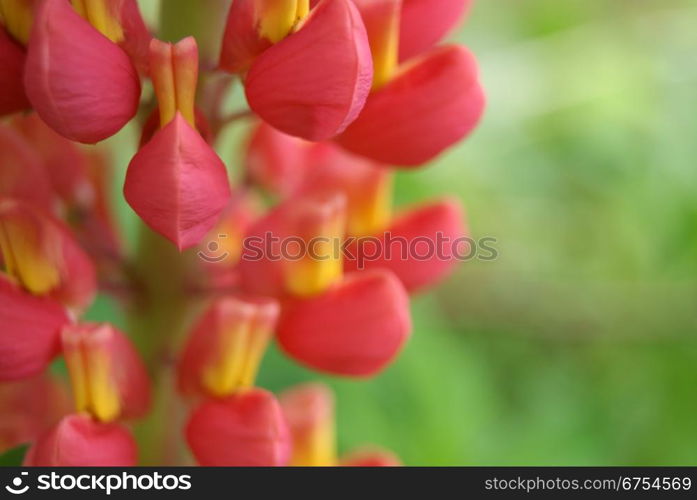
(158, 322)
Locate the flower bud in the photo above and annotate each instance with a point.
(309, 411)
(355, 328)
(176, 183)
(432, 103)
(79, 441)
(245, 429)
(108, 378)
(421, 246)
(81, 83)
(226, 346)
(30, 331)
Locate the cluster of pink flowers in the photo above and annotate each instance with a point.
(343, 93)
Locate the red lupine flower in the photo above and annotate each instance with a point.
(245, 429)
(22, 173)
(29, 407)
(355, 328)
(424, 23)
(370, 456)
(30, 331)
(420, 247)
(226, 346)
(420, 108)
(306, 73)
(309, 411)
(176, 182)
(42, 255)
(108, 378)
(12, 56)
(79, 441)
(77, 78)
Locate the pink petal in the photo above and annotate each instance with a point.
(313, 83)
(426, 22)
(81, 84)
(30, 331)
(355, 329)
(12, 97)
(242, 430)
(177, 184)
(432, 104)
(79, 441)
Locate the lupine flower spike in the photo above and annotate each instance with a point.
(301, 252)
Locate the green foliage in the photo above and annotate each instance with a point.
(13, 457)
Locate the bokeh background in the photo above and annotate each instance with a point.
(578, 344)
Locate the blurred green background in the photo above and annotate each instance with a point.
(578, 345)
